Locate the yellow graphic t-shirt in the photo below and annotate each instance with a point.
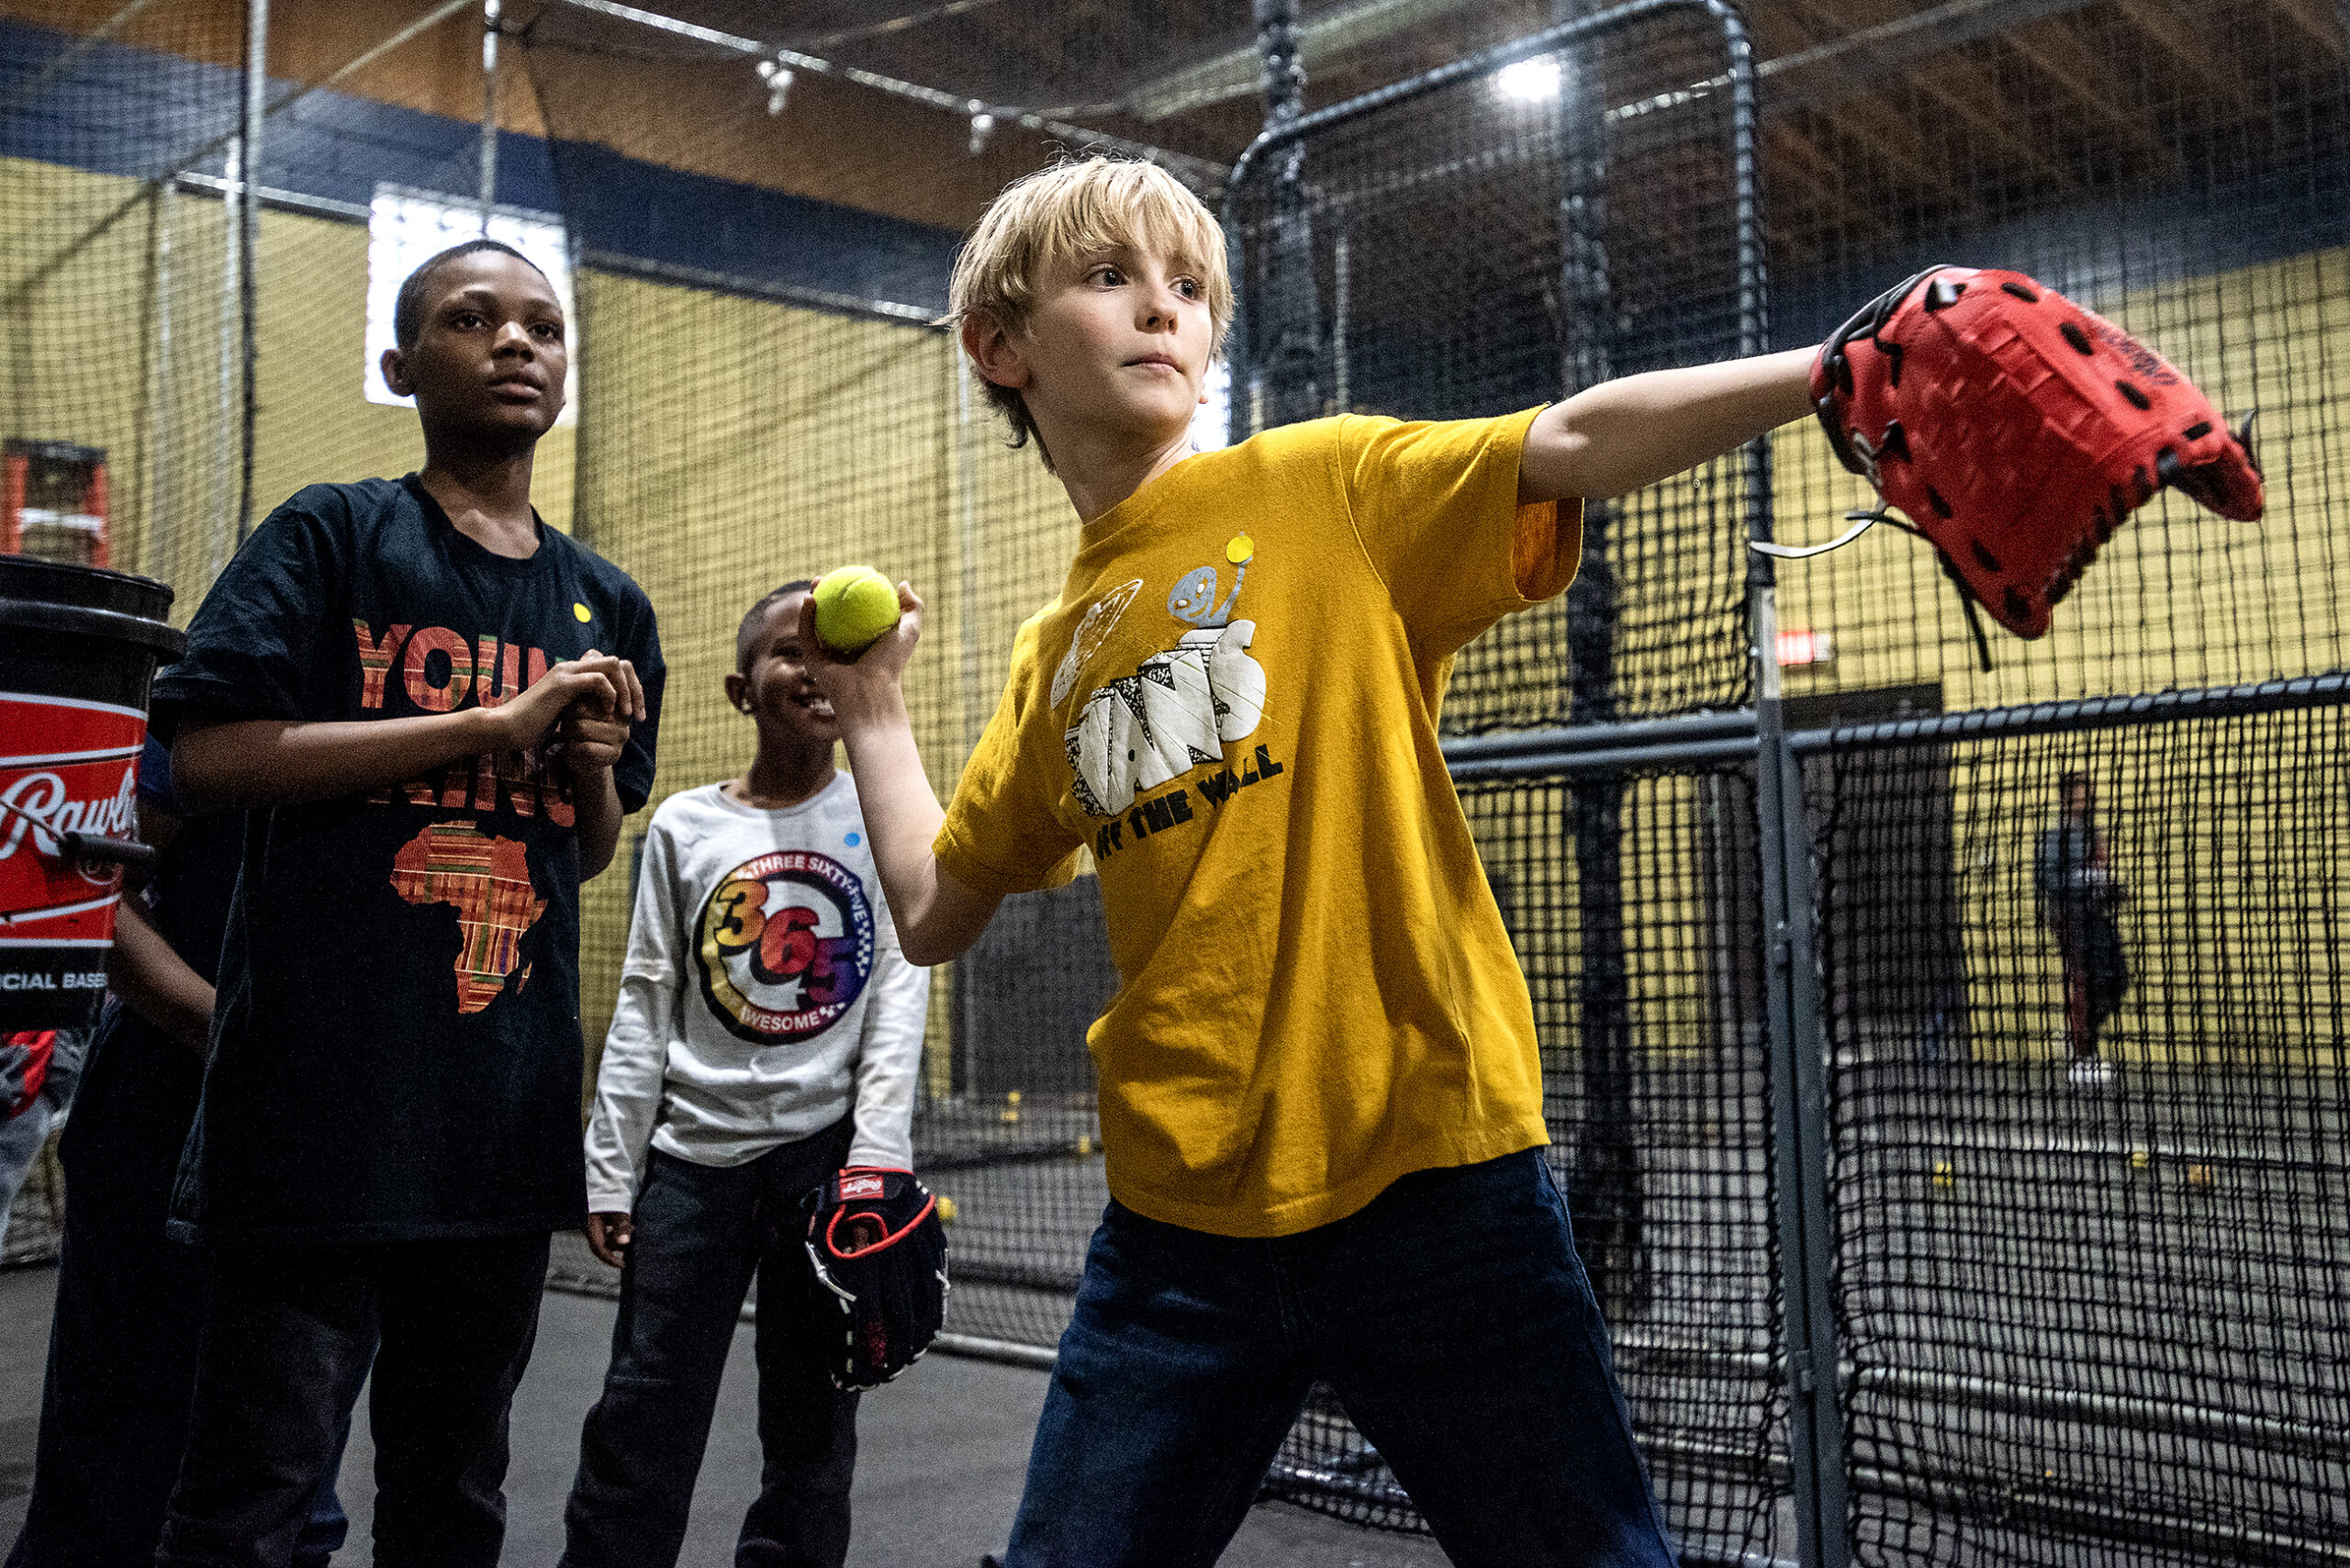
(1233, 704)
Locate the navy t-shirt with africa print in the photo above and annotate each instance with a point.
(396, 1049)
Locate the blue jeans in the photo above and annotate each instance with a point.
(1451, 1316)
(702, 1232)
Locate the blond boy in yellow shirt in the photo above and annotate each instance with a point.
(1321, 1093)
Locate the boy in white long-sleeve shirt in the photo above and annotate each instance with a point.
(767, 1035)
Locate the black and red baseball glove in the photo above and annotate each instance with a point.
(2016, 430)
(878, 1247)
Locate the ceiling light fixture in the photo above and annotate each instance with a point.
(1535, 81)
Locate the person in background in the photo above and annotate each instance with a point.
(2080, 901)
(39, 1069)
(129, 1301)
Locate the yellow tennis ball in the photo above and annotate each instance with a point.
(2199, 1175)
(945, 1209)
(853, 606)
(2140, 1159)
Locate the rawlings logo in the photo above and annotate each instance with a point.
(2143, 360)
(37, 804)
(861, 1187)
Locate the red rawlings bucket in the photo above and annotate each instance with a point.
(78, 646)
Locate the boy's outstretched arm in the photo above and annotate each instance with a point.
(936, 916)
(1616, 437)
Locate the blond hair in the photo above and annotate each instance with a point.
(1071, 210)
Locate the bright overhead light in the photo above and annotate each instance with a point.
(1528, 81)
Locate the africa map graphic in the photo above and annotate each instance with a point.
(488, 880)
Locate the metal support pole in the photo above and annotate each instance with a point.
(220, 515)
(1799, 1142)
(247, 215)
(1341, 290)
(1609, 1205)
(970, 410)
(154, 487)
(1290, 317)
(489, 29)
(1798, 1062)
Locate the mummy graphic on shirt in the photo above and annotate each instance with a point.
(785, 945)
(1179, 707)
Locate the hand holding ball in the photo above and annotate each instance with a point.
(855, 605)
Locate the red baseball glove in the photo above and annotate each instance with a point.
(2017, 430)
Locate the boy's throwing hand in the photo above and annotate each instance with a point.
(880, 666)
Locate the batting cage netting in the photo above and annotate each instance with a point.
(1945, 1064)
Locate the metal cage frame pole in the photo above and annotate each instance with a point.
(1801, 1144)
(223, 499)
(1607, 1200)
(486, 186)
(246, 216)
(1286, 382)
(1817, 1457)
(1799, 1131)
(153, 485)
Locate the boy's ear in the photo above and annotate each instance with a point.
(996, 352)
(738, 693)
(395, 367)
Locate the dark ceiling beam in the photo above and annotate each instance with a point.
(2075, 69)
(2192, 53)
(1841, 67)
(1321, 38)
(1826, 72)
(1791, 156)
(2323, 24)
(1957, 88)
(1199, 171)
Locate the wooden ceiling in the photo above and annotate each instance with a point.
(1879, 115)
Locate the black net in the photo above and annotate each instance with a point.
(2059, 1351)
(1488, 246)
(1657, 1096)
(2090, 1119)
(160, 384)
(2179, 168)
(112, 145)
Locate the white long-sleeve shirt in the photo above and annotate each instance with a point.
(763, 996)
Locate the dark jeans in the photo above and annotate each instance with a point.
(702, 1232)
(285, 1351)
(1452, 1318)
(2097, 976)
(114, 1406)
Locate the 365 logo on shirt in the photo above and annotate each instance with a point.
(785, 945)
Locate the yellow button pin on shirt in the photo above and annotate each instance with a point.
(582, 612)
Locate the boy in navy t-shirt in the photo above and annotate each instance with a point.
(437, 710)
